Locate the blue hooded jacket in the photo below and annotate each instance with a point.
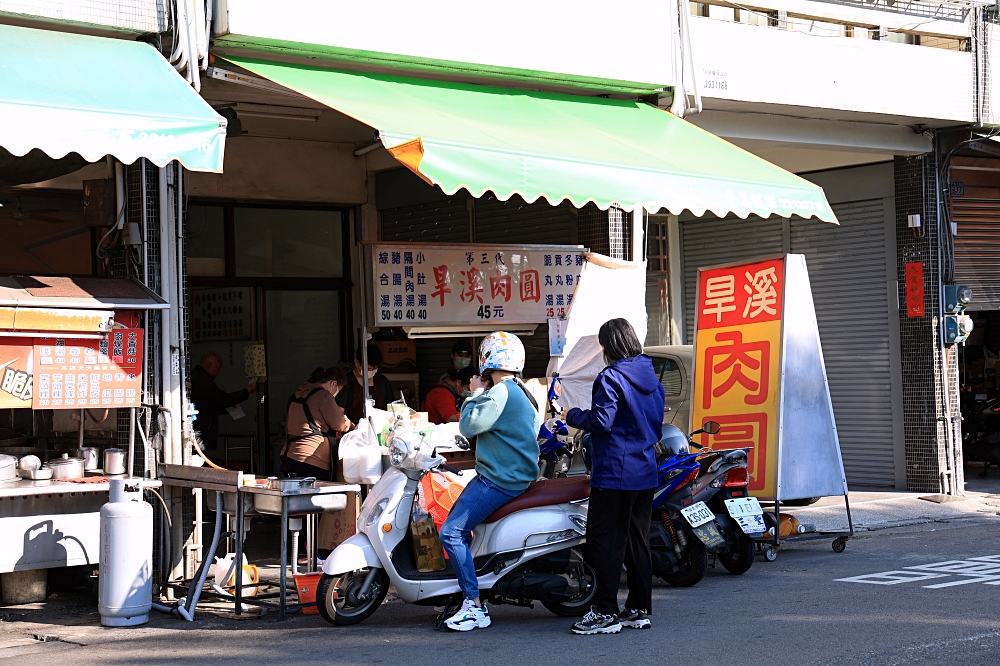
(625, 422)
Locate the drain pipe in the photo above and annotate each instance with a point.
(186, 612)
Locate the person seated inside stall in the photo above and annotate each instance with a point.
(352, 398)
(444, 400)
(461, 356)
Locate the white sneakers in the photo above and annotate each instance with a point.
(469, 617)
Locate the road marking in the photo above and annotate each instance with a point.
(984, 570)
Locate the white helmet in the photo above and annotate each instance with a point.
(501, 351)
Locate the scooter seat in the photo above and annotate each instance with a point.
(545, 492)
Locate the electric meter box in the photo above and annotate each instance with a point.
(956, 298)
(957, 328)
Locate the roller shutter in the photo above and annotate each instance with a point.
(849, 271)
(977, 259)
(709, 242)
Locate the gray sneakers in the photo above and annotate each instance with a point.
(635, 619)
(597, 623)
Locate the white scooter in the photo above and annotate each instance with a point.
(528, 550)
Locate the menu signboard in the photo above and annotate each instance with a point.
(74, 373)
(424, 285)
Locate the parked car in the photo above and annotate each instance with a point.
(674, 365)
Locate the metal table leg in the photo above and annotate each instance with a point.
(284, 555)
(239, 553)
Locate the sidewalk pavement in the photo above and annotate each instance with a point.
(884, 509)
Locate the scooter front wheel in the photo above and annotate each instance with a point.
(339, 600)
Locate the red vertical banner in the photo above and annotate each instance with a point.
(915, 289)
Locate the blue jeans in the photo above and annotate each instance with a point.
(479, 499)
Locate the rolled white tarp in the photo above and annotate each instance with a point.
(608, 289)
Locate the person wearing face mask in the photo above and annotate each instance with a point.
(314, 421)
(352, 398)
(444, 400)
(625, 423)
(461, 357)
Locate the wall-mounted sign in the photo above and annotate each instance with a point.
(915, 289)
(15, 372)
(221, 314)
(420, 285)
(72, 373)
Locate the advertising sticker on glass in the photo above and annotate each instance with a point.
(421, 285)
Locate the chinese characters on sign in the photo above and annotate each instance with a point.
(915, 289)
(737, 363)
(73, 373)
(15, 372)
(221, 314)
(433, 285)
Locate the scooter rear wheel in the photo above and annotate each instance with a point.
(579, 606)
(739, 561)
(695, 568)
(337, 596)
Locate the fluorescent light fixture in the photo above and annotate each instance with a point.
(247, 110)
(416, 332)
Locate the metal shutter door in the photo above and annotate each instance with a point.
(977, 260)
(849, 271)
(513, 221)
(438, 222)
(722, 241)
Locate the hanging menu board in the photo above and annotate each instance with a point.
(421, 285)
(71, 373)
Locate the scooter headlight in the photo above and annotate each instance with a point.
(398, 451)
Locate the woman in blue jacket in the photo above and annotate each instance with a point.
(625, 422)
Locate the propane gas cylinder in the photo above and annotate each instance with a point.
(125, 577)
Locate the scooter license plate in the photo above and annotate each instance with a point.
(747, 513)
(697, 514)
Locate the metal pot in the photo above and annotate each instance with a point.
(35, 474)
(293, 483)
(66, 467)
(114, 461)
(8, 468)
(91, 457)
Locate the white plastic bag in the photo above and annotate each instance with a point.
(361, 454)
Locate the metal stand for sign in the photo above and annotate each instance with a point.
(770, 545)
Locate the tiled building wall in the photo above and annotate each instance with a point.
(925, 396)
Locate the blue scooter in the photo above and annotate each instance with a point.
(680, 529)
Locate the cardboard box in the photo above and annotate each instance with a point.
(398, 355)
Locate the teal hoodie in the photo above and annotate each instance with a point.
(505, 426)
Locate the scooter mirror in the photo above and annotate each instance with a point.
(711, 427)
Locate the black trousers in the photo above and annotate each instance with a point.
(617, 532)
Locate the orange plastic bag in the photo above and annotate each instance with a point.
(440, 491)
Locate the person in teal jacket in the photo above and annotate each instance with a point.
(504, 419)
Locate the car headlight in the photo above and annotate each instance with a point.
(398, 451)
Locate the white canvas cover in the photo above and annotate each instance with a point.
(608, 289)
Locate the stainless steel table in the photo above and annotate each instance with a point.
(326, 496)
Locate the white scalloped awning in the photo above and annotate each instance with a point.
(64, 93)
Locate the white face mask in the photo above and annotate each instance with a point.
(462, 362)
(371, 373)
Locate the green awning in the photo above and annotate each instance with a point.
(65, 93)
(556, 146)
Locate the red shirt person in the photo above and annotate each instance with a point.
(442, 402)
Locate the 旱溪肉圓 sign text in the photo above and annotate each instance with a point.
(421, 285)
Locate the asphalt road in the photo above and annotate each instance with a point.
(792, 611)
